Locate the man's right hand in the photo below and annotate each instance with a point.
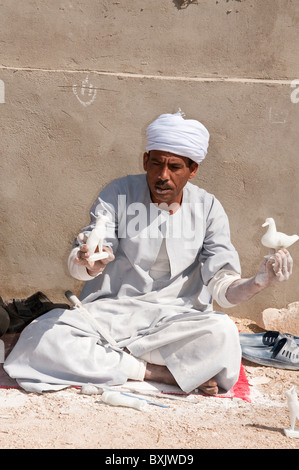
(93, 267)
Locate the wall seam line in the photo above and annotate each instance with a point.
(154, 77)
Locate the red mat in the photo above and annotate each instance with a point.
(240, 389)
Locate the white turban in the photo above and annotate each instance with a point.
(172, 133)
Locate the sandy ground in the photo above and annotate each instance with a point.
(71, 420)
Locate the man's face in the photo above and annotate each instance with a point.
(167, 175)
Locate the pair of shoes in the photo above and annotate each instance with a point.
(22, 312)
(272, 349)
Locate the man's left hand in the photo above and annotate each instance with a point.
(277, 268)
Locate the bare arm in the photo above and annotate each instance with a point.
(276, 269)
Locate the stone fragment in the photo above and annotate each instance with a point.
(285, 320)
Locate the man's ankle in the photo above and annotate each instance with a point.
(159, 374)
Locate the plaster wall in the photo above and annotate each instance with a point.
(82, 79)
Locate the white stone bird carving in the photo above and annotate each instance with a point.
(276, 240)
(95, 239)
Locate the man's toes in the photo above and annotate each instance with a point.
(210, 387)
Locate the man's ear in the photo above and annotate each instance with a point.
(193, 170)
(145, 160)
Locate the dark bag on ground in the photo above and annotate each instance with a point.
(16, 314)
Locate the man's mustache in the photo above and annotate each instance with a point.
(162, 185)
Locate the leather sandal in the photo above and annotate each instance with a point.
(263, 339)
(284, 354)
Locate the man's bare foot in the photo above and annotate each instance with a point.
(159, 374)
(162, 374)
(209, 388)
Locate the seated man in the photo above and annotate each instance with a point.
(169, 255)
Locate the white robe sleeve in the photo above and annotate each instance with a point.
(219, 284)
(76, 270)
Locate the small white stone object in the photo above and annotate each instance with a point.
(96, 238)
(293, 405)
(118, 399)
(276, 240)
(90, 389)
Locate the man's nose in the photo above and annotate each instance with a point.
(164, 174)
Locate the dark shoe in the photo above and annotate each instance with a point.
(264, 339)
(4, 318)
(22, 312)
(284, 354)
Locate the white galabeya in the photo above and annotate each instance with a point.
(274, 239)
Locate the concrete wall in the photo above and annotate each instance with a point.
(228, 63)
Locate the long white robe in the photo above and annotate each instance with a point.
(172, 314)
